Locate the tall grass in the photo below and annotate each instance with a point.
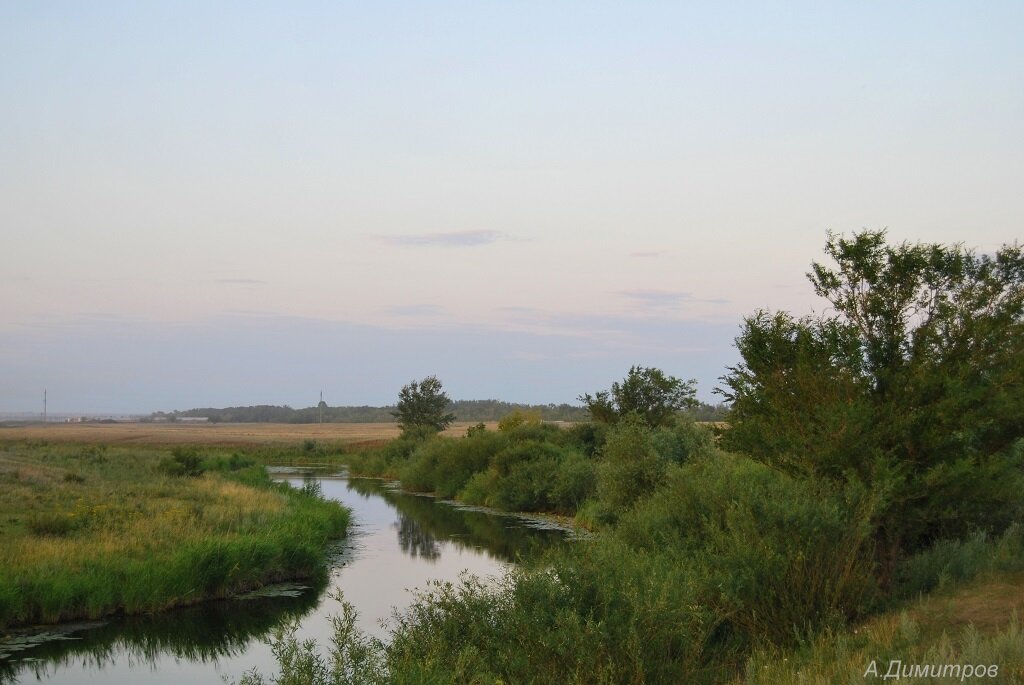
(952, 562)
(844, 658)
(123, 536)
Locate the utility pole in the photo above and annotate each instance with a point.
(321, 406)
(44, 405)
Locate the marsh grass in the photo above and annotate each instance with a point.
(123, 535)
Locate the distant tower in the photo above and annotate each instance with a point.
(321, 406)
(44, 405)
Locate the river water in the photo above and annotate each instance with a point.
(398, 542)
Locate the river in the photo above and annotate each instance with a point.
(398, 543)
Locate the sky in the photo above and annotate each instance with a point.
(212, 204)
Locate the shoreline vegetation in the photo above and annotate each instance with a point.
(860, 519)
(721, 570)
(91, 530)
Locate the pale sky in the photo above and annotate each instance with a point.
(205, 204)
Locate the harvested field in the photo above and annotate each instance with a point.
(212, 433)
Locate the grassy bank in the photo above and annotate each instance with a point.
(980, 624)
(89, 530)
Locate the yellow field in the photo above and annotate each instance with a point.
(212, 433)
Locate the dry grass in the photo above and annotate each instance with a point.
(978, 624)
(988, 606)
(222, 434)
(88, 530)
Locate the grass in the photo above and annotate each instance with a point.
(977, 624)
(89, 530)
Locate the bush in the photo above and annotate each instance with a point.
(588, 438)
(445, 465)
(778, 556)
(608, 616)
(235, 462)
(526, 473)
(575, 482)
(682, 440)
(517, 418)
(533, 476)
(631, 467)
(538, 432)
(183, 462)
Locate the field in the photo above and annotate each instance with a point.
(224, 434)
(92, 530)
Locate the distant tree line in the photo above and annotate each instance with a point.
(464, 410)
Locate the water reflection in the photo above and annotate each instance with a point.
(414, 540)
(422, 521)
(399, 542)
(204, 633)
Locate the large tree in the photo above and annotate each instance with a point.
(912, 382)
(423, 405)
(645, 392)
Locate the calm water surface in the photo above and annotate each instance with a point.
(399, 542)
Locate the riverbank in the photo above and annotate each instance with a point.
(90, 530)
(978, 625)
(709, 567)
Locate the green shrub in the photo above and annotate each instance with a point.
(479, 487)
(575, 482)
(235, 462)
(780, 557)
(183, 462)
(631, 467)
(683, 440)
(445, 465)
(529, 478)
(593, 514)
(588, 438)
(537, 432)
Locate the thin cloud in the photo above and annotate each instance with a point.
(241, 281)
(416, 310)
(648, 253)
(449, 239)
(666, 298)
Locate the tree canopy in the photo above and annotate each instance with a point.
(423, 405)
(646, 392)
(912, 382)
